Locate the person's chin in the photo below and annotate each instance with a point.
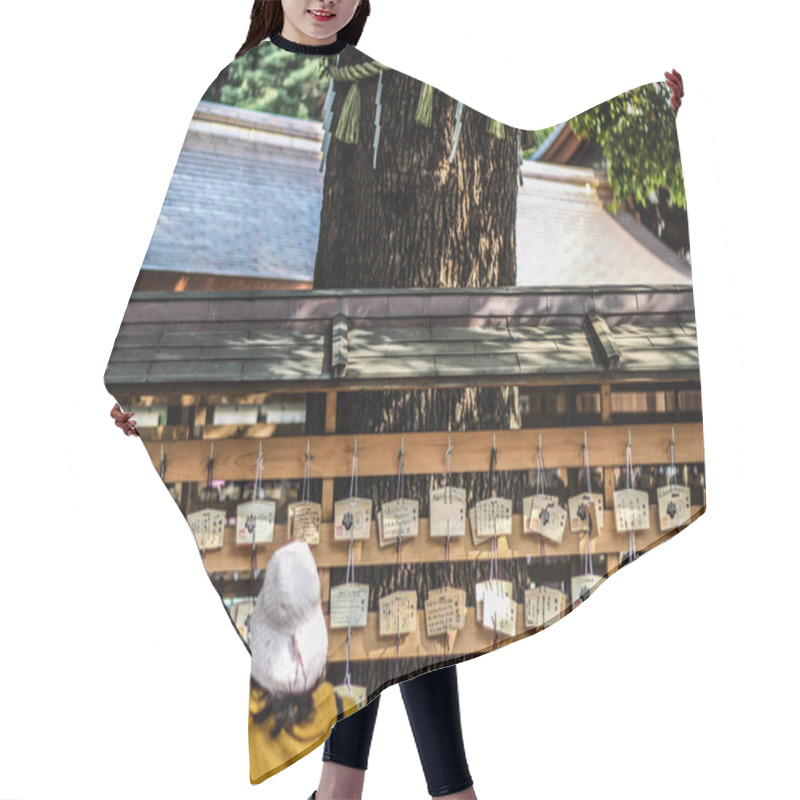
(313, 33)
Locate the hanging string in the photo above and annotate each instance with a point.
(348, 680)
(541, 488)
(305, 493)
(673, 479)
(587, 556)
(163, 470)
(350, 569)
(448, 499)
(396, 644)
(210, 469)
(349, 575)
(256, 496)
(400, 495)
(628, 486)
(494, 562)
(209, 479)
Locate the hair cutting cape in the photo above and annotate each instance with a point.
(419, 380)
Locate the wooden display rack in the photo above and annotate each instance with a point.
(606, 352)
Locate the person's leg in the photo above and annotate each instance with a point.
(433, 710)
(345, 755)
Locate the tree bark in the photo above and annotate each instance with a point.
(418, 220)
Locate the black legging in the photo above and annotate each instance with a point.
(432, 706)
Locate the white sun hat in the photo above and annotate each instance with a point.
(288, 634)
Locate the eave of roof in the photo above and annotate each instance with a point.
(350, 339)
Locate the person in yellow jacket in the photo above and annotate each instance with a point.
(292, 706)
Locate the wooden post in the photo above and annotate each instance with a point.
(327, 483)
(200, 411)
(605, 403)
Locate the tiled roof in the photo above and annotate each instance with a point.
(246, 194)
(309, 340)
(566, 235)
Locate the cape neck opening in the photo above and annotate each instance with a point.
(309, 49)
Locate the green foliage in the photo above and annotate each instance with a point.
(274, 80)
(638, 136)
(532, 139)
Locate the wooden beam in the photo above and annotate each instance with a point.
(235, 392)
(284, 456)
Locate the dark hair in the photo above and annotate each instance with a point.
(289, 709)
(266, 18)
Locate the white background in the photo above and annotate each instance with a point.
(121, 675)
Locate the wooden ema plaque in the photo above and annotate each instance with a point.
(542, 514)
(674, 506)
(349, 605)
(578, 513)
(495, 605)
(304, 520)
(631, 510)
(352, 519)
(398, 613)
(255, 519)
(583, 585)
(240, 613)
(543, 606)
(208, 527)
(493, 517)
(398, 517)
(448, 512)
(500, 522)
(445, 610)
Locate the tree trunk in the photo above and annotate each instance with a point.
(417, 220)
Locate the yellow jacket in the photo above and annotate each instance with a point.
(269, 756)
